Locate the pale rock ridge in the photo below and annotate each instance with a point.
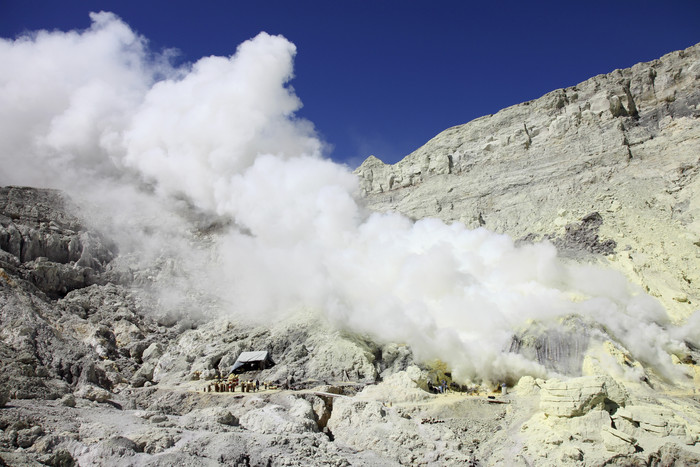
(625, 145)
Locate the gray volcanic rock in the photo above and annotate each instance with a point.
(45, 244)
(81, 342)
(560, 348)
(583, 236)
(38, 223)
(63, 327)
(302, 348)
(625, 145)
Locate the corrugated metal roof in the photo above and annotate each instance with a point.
(257, 356)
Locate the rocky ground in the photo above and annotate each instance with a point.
(98, 372)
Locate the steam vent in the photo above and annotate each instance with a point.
(521, 290)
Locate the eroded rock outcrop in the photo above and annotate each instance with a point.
(579, 396)
(581, 415)
(44, 243)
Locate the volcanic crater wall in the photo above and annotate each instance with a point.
(624, 145)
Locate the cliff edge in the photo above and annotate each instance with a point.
(623, 147)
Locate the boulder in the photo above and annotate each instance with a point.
(673, 455)
(226, 418)
(527, 386)
(618, 442)
(143, 375)
(93, 393)
(27, 437)
(654, 419)
(68, 400)
(275, 419)
(577, 396)
(403, 386)
(155, 441)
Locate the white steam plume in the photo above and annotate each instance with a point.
(95, 112)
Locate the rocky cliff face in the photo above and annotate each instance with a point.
(45, 245)
(625, 145)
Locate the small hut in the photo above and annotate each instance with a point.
(252, 361)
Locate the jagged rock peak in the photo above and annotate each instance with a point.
(646, 93)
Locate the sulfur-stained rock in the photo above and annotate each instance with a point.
(587, 427)
(577, 396)
(527, 386)
(403, 386)
(617, 441)
(571, 453)
(653, 419)
(621, 145)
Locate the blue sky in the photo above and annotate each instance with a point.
(384, 77)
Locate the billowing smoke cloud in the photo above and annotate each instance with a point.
(99, 115)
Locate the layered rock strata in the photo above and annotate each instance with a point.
(621, 149)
